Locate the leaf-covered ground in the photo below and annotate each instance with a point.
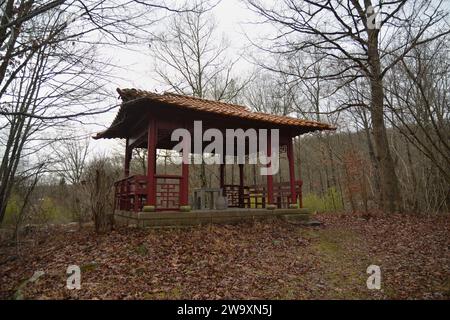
(261, 260)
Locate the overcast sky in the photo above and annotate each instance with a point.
(232, 19)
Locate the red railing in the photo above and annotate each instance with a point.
(256, 196)
(168, 192)
(131, 193)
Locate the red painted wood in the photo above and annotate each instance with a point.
(290, 156)
(168, 192)
(241, 185)
(269, 176)
(151, 161)
(155, 137)
(128, 153)
(168, 176)
(184, 190)
(130, 193)
(300, 181)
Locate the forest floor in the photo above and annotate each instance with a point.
(260, 260)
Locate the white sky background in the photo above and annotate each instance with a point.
(232, 19)
(135, 67)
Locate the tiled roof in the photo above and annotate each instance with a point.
(215, 107)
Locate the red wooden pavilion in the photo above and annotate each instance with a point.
(146, 120)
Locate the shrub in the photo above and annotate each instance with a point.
(331, 201)
(12, 210)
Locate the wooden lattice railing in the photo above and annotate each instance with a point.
(167, 192)
(131, 194)
(256, 196)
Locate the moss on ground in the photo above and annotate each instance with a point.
(174, 293)
(342, 264)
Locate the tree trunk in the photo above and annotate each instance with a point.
(390, 192)
(373, 159)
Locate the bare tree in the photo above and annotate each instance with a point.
(26, 185)
(55, 78)
(419, 109)
(272, 94)
(51, 75)
(190, 59)
(418, 88)
(357, 41)
(70, 159)
(100, 177)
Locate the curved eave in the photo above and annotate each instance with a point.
(114, 131)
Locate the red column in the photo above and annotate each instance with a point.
(290, 156)
(128, 153)
(184, 188)
(269, 173)
(300, 181)
(241, 185)
(151, 163)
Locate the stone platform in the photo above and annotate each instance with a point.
(198, 217)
